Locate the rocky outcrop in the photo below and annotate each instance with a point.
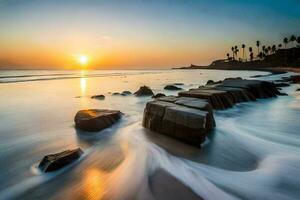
(99, 97)
(96, 119)
(172, 87)
(57, 161)
(144, 91)
(180, 118)
(189, 116)
(231, 91)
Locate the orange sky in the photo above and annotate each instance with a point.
(124, 34)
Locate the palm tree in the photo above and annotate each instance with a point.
(251, 53)
(232, 49)
(257, 44)
(260, 55)
(298, 40)
(273, 49)
(293, 39)
(243, 47)
(263, 48)
(269, 49)
(279, 46)
(236, 50)
(285, 41)
(228, 56)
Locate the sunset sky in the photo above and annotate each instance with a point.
(123, 34)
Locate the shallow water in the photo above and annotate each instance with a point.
(252, 154)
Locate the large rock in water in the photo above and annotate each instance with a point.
(186, 123)
(172, 87)
(144, 91)
(96, 119)
(57, 161)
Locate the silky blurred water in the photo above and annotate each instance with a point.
(252, 154)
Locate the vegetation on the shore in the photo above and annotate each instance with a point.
(264, 51)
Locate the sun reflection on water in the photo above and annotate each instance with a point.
(82, 82)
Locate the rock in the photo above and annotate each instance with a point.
(200, 104)
(298, 89)
(126, 93)
(144, 91)
(210, 82)
(231, 91)
(96, 119)
(116, 94)
(187, 124)
(99, 97)
(178, 83)
(282, 84)
(217, 98)
(172, 87)
(57, 161)
(158, 95)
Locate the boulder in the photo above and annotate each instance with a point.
(57, 161)
(187, 124)
(158, 95)
(116, 93)
(99, 97)
(96, 119)
(144, 91)
(217, 98)
(172, 87)
(298, 89)
(209, 82)
(126, 93)
(231, 91)
(200, 104)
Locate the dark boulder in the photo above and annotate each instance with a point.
(144, 91)
(298, 89)
(99, 97)
(185, 123)
(126, 93)
(210, 82)
(57, 161)
(116, 94)
(158, 95)
(96, 119)
(172, 87)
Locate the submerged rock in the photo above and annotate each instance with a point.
(144, 91)
(158, 95)
(172, 87)
(57, 161)
(298, 89)
(99, 97)
(96, 119)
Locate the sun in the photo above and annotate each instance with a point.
(83, 59)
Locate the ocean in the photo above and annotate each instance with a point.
(253, 153)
